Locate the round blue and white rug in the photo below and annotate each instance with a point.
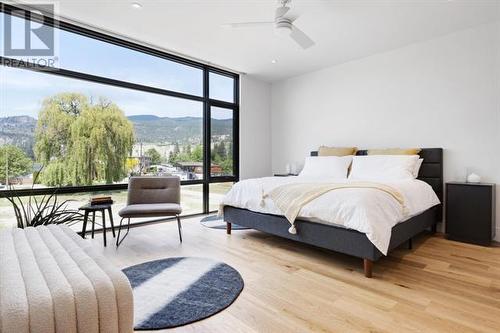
(217, 222)
(178, 291)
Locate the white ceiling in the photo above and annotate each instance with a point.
(343, 30)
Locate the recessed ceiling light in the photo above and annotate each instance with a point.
(136, 5)
(274, 61)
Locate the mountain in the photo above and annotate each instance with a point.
(154, 129)
(143, 117)
(20, 130)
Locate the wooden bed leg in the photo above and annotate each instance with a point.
(434, 228)
(228, 228)
(410, 243)
(368, 265)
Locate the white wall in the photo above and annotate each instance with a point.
(439, 93)
(255, 128)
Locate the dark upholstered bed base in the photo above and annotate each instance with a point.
(330, 237)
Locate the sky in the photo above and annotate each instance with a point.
(22, 91)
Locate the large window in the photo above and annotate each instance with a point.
(221, 129)
(110, 109)
(221, 87)
(130, 131)
(84, 54)
(191, 201)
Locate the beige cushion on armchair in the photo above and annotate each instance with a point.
(153, 210)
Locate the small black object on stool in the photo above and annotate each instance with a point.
(97, 208)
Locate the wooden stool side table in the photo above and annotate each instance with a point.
(93, 209)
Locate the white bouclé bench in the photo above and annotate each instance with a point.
(51, 280)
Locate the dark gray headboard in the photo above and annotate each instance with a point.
(431, 170)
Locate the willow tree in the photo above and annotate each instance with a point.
(52, 134)
(93, 146)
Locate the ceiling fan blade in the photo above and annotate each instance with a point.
(280, 12)
(247, 25)
(301, 38)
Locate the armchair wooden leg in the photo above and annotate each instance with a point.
(179, 226)
(368, 265)
(228, 228)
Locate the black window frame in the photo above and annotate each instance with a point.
(205, 99)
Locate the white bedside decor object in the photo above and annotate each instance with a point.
(473, 178)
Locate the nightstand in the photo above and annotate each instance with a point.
(285, 175)
(470, 212)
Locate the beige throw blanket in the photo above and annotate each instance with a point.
(290, 198)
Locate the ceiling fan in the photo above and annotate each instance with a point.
(283, 25)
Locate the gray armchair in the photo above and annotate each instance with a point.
(151, 197)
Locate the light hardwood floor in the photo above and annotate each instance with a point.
(439, 286)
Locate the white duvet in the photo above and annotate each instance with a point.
(366, 210)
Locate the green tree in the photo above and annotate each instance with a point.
(15, 161)
(227, 166)
(173, 156)
(93, 145)
(197, 154)
(214, 152)
(220, 150)
(53, 131)
(154, 155)
(229, 150)
(54, 174)
(183, 157)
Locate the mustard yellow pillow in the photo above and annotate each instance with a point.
(336, 151)
(394, 151)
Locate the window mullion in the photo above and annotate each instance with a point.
(206, 141)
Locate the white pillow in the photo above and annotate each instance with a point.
(383, 167)
(418, 164)
(326, 166)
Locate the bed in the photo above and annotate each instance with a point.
(346, 240)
